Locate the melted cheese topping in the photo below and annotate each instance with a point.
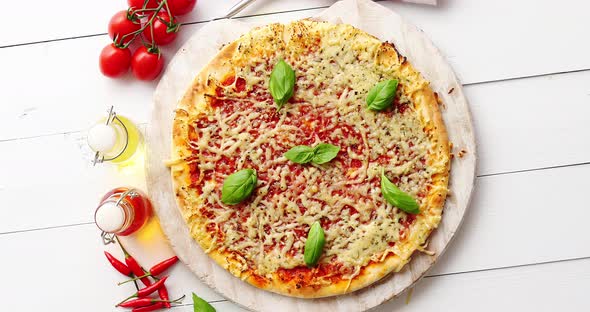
(241, 129)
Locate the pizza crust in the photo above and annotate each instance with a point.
(425, 104)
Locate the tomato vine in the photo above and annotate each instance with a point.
(155, 24)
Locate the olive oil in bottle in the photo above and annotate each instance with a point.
(116, 140)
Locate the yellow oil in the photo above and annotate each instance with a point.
(132, 138)
(134, 165)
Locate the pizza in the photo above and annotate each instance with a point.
(310, 159)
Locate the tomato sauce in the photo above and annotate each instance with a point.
(312, 122)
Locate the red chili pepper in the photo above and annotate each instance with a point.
(163, 266)
(163, 293)
(137, 269)
(136, 303)
(153, 307)
(134, 266)
(142, 302)
(118, 265)
(148, 290)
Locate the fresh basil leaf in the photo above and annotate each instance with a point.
(397, 197)
(320, 154)
(314, 244)
(382, 94)
(324, 152)
(200, 305)
(300, 154)
(282, 83)
(238, 186)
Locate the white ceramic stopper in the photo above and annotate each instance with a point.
(102, 138)
(109, 217)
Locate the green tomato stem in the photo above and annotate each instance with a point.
(149, 23)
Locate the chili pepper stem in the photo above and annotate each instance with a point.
(148, 290)
(150, 274)
(127, 255)
(132, 296)
(178, 300)
(143, 302)
(119, 242)
(135, 279)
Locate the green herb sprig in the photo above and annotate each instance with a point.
(320, 154)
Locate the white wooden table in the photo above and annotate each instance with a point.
(524, 244)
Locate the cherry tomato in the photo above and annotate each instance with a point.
(181, 7)
(122, 24)
(114, 61)
(147, 64)
(164, 30)
(138, 4)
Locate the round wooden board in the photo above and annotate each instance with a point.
(387, 26)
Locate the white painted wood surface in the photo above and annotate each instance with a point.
(66, 78)
(54, 88)
(93, 20)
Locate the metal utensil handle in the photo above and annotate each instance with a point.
(238, 7)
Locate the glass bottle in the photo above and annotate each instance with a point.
(114, 138)
(122, 211)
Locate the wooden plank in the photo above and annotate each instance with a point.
(507, 212)
(519, 218)
(502, 118)
(509, 223)
(69, 92)
(485, 39)
(73, 259)
(95, 21)
(562, 287)
(492, 40)
(531, 123)
(549, 287)
(57, 184)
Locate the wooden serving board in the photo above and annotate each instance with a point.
(376, 20)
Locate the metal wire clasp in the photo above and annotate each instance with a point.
(108, 238)
(98, 157)
(111, 238)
